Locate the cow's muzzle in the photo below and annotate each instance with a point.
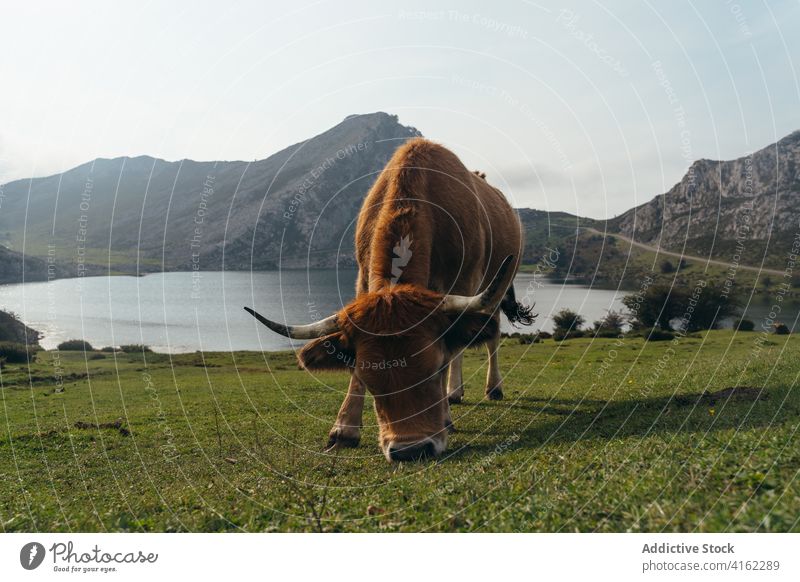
(428, 448)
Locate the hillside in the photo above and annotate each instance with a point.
(16, 267)
(13, 330)
(748, 206)
(546, 231)
(146, 214)
(297, 208)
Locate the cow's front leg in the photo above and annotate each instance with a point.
(494, 382)
(448, 419)
(346, 432)
(455, 381)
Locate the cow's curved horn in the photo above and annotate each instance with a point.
(310, 331)
(488, 300)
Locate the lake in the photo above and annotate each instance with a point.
(185, 312)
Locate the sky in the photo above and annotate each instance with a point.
(585, 107)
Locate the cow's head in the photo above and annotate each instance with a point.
(397, 342)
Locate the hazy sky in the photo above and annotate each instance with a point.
(579, 106)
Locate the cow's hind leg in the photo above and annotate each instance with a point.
(448, 419)
(517, 313)
(494, 382)
(346, 432)
(455, 381)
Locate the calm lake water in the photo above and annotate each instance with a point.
(185, 312)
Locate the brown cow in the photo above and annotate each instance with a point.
(430, 235)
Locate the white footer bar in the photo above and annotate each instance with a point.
(401, 557)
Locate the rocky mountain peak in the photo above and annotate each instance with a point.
(720, 204)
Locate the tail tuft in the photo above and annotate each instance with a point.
(516, 312)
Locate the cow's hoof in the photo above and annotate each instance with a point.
(455, 398)
(495, 393)
(337, 439)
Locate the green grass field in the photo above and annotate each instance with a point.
(603, 435)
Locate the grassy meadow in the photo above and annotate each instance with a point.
(594, 435)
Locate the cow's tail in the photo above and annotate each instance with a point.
(516, 312)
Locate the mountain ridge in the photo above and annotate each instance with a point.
(142, 214)
(750, 202)
(296, 207)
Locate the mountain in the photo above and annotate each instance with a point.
(748, 207)
(145, 214)
(298, 206)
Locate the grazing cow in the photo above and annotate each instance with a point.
(436, 248)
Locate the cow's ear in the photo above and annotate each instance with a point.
(330, 352)
(470, 330)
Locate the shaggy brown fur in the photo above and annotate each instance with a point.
(372, 321)
(460, 227)
(392, 310)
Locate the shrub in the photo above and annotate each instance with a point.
(659, 335)
(604, 333)
(611, 325)
(656, 306)
(567, 324)
(653, 334)
(15, 353)
(705, 306)
(134, 348)
(744, 325)
(75, 345)
(568, 320)
(780, 329)
(712, 305)
(667, 266)
(561, 335)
